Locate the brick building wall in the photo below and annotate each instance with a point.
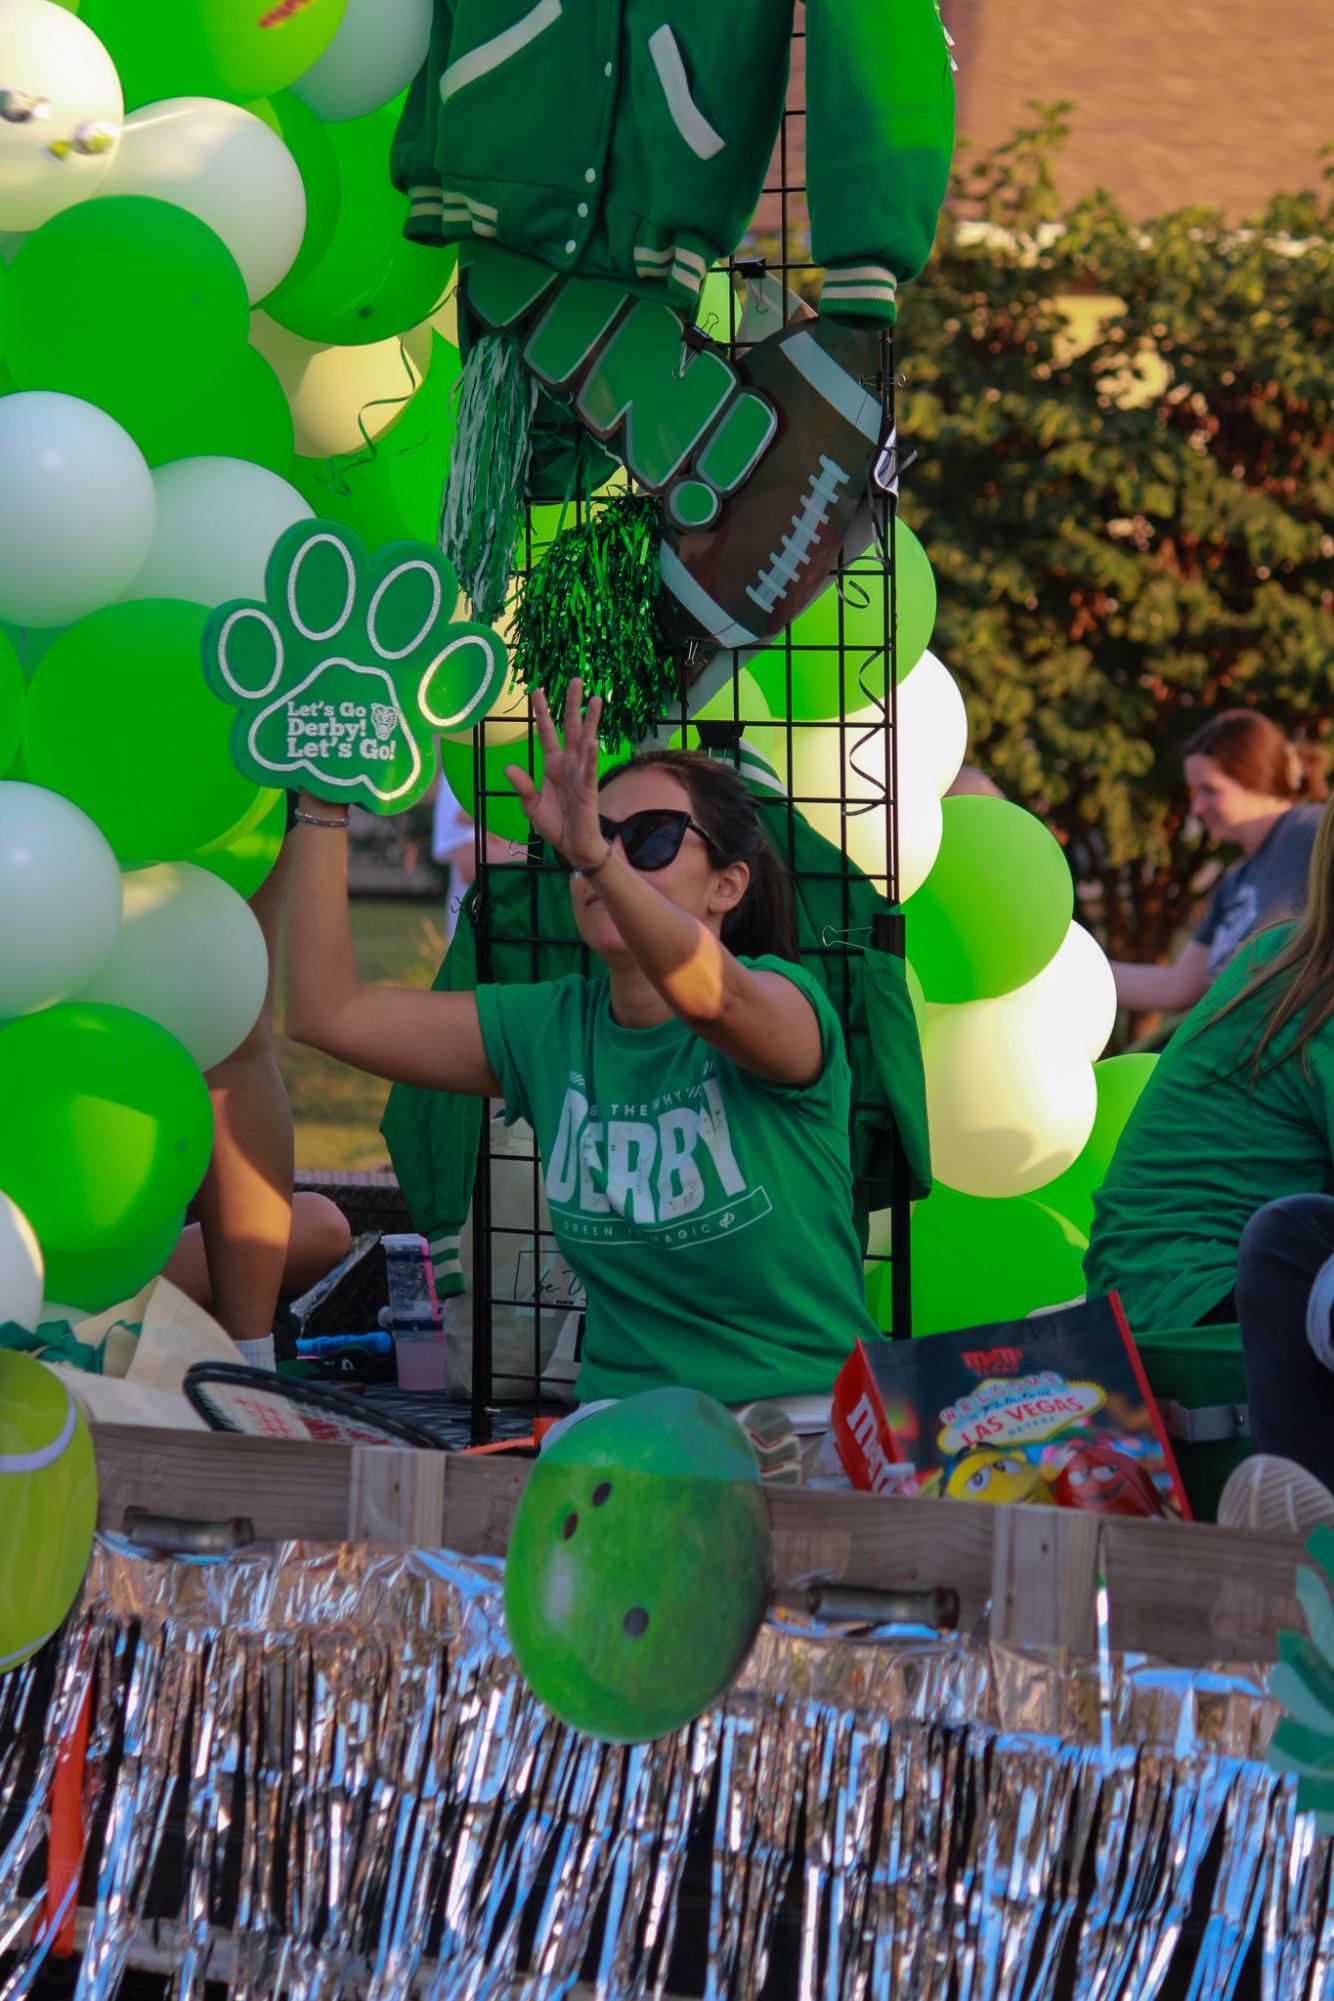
(1218, 103)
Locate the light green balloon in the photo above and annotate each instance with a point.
(976, 1259)
(130, 303)
(838, 643)
(390, 492)
(107, 1128)
(1119, 1080)
(13, 689)
(995, 907)
(237, 49)
(370, 281)
(95, 1280)
(120, 720)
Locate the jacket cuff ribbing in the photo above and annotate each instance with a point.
(860, 291)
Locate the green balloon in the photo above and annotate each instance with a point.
(127, 302)
(120, 719)
(13, 689)
(976, 1259)
(638, 1566)
(358, 495)
(501, 811)
(245, 862)
(244, 415)
(107, 1125)
(853, 673)
(994, 909)
(4, 287)
(307, 140)
(1119, 1079)
(370, 282)
(237, 49)
(95, 1280)
(416, 451)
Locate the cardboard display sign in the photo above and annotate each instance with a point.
(764, 461)
(351, 663)
(1056, 1409)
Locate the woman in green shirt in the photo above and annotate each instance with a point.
(1215, 1207)
(691, 1108)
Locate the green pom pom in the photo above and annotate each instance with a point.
(590, 609)
(482, 510)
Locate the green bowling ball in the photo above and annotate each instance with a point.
(638, 1566)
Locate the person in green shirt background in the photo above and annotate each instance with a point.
(1216, 1207)
(691, 1108)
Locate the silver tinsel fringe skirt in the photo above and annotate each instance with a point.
(315, 1772)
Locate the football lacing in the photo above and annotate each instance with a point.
(794, 552)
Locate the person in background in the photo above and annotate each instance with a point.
(1216, 1207)
(1250, 787)
(319, 1237)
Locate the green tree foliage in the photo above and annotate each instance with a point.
(1129, 537)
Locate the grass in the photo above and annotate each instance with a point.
(336, 1110)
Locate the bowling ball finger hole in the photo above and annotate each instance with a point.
(635, 1623)
(569, 1526)
(602, 1493)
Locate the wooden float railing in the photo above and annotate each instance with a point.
(1183, 1592)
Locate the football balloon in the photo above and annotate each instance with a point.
(774, 543)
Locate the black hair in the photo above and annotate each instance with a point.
(765, 919)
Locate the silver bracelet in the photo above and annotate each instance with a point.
(310, 820)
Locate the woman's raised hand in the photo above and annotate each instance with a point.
(564, 810)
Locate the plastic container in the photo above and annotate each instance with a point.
(413, 1314)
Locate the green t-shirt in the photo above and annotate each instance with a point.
(1208, 1144)
(707, 1211)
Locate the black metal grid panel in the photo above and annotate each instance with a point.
(527, 1250)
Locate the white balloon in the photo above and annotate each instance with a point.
(62, 120)
(921, 830)
(1010, 1103)
(77, 507)
(378, 49)
(227, 167)
(22, 1274)
(190, 956)
(1075, 993)
(217, 521)
(831, 764)
(337, 392)
(933, 726)
(60, 898)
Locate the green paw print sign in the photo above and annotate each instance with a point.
(351, 663)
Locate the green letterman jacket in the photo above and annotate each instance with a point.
(629, 139)
(433, 1136)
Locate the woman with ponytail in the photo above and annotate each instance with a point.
(1251, 787)
(690, 1107)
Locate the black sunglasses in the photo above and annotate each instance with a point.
(652, 839)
